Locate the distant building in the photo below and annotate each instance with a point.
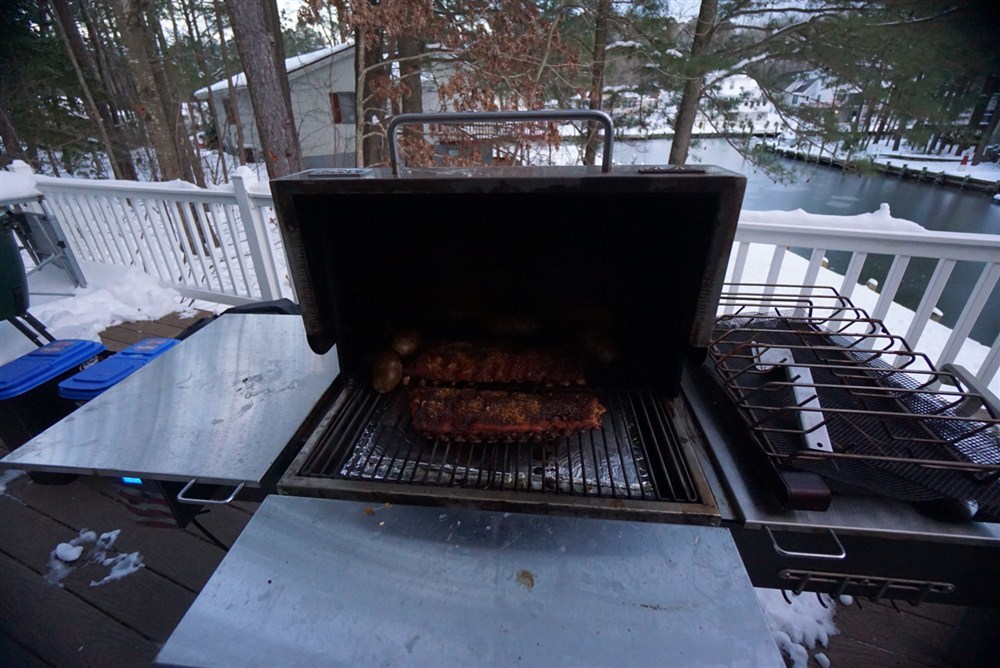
(323, 105)
(816, 90)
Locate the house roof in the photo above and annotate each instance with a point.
(292, 65)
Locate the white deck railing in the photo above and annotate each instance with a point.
(946, 249)
(221, 245)
(208, 244)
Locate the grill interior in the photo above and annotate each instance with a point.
(897, 426)
(636, 455)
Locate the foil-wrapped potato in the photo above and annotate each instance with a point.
(387, 371)
(406, 342)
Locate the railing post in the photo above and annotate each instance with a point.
(21, 167)
(260, 246)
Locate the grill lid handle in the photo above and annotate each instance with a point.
(458, 118)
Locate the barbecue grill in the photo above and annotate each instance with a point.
(517, 256)
(703, 425)
(721, 406)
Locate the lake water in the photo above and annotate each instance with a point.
(826, 190)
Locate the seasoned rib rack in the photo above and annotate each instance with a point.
(497, 415)
(471, 362)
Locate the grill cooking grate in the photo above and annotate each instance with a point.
(636, 455)
(894, 427)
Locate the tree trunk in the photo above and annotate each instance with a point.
(409, 50)
(150, 107)
(984, 141)
(990, 88)
(166, 74)
(97, 78)
(370, 103)
(13, 149)
(241, 155)
(688, 107)
(597, 76)
(65, 25)
(258, 39)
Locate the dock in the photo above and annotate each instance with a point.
(904, 171)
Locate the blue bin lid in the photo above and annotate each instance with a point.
(40, 366)
(93, 381)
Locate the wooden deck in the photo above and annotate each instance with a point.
(124, 335)
(125, 622)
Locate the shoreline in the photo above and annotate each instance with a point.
(965, 182)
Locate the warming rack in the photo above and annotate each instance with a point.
(825, 387)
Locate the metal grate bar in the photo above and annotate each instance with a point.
(635, 455)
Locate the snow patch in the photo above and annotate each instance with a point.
(113, 295)
(121, 565)
(66, 558)
(628, 44)
(15, 187)
(799, 626)
(7, 477)
(67, 552)
(881, 220)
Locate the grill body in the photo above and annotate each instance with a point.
(537, 256)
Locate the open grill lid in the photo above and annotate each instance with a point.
(639, 251)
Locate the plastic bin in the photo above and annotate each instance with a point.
(29, 397)
(94, 380)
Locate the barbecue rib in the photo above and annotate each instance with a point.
(452, 414)
(465, 362)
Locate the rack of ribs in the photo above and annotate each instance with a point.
(466, 362)
(453, 414)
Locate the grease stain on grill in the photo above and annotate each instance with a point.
(526, 579)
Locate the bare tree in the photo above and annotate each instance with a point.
(151, 107)
(258, 39)
(86, 74)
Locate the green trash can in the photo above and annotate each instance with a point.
(13, 280)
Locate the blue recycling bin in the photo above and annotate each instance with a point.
(29, 397)
(94, 380)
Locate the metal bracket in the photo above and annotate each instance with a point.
(458, 118)
(809, 410)
(212, 502)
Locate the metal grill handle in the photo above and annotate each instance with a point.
(458, 118)
(841, 552)
(214, 502)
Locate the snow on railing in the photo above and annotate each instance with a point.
(222, 245)
(208, 244)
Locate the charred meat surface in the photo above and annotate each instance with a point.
(467, 362)
(453, 414)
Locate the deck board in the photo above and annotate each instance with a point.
(124, 335)
(30, 537)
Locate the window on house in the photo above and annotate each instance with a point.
(342, 106)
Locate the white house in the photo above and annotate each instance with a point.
(323, 105)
